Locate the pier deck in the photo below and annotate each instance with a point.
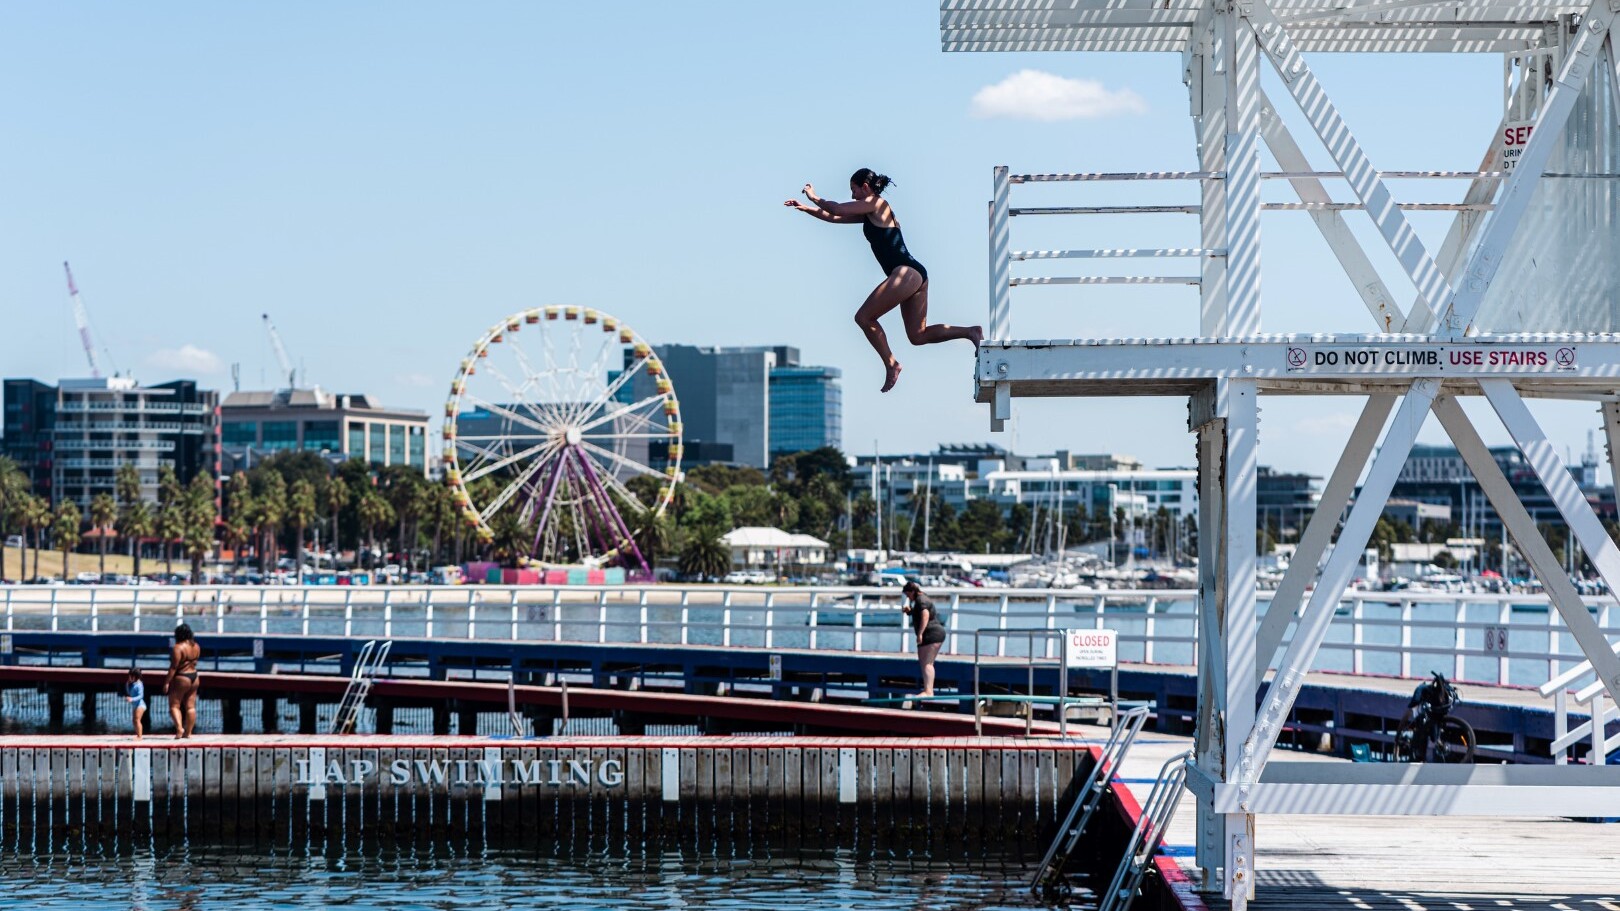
(1410, 863)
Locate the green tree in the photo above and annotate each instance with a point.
(34, 512)
(654, 535)
(704, 554)
(269, 512)
(13, 487)
(138, 523)
(171, 522)
(238, 516)
(103, 515)
(374, 513)
(127, 488)
(714, 479)
(334, 496)
(200, 513)
(65, 531)
(750, 505)
(513, 538)
(301, 510)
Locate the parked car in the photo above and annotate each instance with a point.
(737, 577)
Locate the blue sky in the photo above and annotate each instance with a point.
(388, 179)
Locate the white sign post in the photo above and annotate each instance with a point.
(1092, 648)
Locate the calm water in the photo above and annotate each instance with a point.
(149, 878)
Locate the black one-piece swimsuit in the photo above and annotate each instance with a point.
(890, 249)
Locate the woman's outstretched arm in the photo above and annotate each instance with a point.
(825, 215)
(855, 207)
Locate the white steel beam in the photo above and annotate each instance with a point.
(1342, 145)
(1517, 520)
(1503, 222)
(1577, 512)
(1207, 84)
(1237, 606)
(1318, 533)
(1335, 230)
(1318, 615)
(1242, 121)
(1404, 789)
(1209, 733)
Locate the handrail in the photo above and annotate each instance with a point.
(1398, 633)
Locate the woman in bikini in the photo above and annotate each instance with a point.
(905, 283)
(182, 682)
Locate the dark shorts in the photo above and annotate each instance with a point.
(933, 635)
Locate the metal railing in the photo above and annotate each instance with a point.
(1479, 638)
(1003, 255)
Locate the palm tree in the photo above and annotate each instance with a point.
(301, 510)
(238, 516)
(513, 537)
(653, 536)
(705, 554)
(65, 530)
(13, 487)
(127, 488)
(375, 512)
(200, 513)
(171, 522)
(170, 526)
(35, 513)
(334, 495)
(270, 510)
(103, 513)
(138, 523)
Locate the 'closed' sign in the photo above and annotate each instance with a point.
(1091, 647)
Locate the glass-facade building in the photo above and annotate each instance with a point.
(807, 409)
(258, 424)
(745, 405)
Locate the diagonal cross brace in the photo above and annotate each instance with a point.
(1341, 144)
(1588, 635)
(1572, 505)
(1502, 223)
(1341, 565)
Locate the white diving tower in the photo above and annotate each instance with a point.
(1522, 299)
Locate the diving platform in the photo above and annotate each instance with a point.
(1517, 300)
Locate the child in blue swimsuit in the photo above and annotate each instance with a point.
(135, 695)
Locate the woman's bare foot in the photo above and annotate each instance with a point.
(976, 336)
(891, 377)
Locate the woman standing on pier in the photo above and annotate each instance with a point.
(905, 283)
(930, 632)
(182, 682)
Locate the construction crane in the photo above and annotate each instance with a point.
(281, 353)
(81, 318)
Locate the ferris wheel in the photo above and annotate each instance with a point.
(546, 429)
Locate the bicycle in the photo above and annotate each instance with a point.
(1428, 732)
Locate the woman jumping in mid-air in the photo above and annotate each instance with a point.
(906, 284)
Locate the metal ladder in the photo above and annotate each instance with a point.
(1148, 835)
(1049, 881)
(366, 666)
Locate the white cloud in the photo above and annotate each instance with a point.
(186, 359)
(1034, 95)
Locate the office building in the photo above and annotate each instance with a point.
(258, 424)
(71, 439)
(807, 408)
(743, 405)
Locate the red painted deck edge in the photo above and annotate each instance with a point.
(388, 741)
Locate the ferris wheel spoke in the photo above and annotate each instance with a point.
(622, 411)
(503, 436)
(607, 394)
(492, 467)
(507, 413)
(597, 374)
(629, 463)
(510, 491)
(533, 379)
(518, 393)
(624, 492)
(627, 436)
